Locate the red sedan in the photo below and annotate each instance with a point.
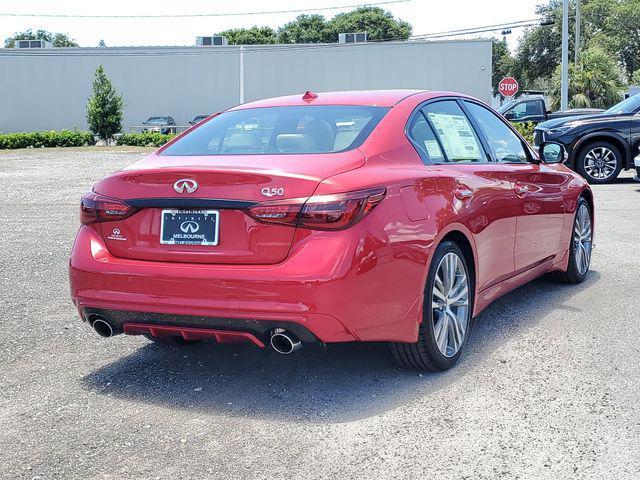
(392, 216)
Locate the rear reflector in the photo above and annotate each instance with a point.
(96, 208)
(324, 212)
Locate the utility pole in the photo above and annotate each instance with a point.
(577, 42)
(241, 74)
(564, 83)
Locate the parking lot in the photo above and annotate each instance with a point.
(547, 388)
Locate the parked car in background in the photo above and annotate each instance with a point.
(599, 146)
(534, 109)
(159, 124)
(333, 217)
(197, 119)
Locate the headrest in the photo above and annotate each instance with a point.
(295, 143)
(243, 139)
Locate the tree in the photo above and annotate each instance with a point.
(105, 107)
(539, 50)
(616, 27)
(610, 24)
(596, 82)
(378, 23)
(305, 29)
(57, 39)
(502, 62)
(250, 36)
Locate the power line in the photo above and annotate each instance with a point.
(196, 15)
(482, 29)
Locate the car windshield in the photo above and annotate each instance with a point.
(630, 105)
(507, 106)
(280, 130)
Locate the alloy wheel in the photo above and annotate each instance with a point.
(450, 305)
(600, 163)
(582, 244)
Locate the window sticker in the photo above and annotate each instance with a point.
(433, 149)
(456, 136)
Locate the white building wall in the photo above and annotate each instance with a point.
(48, 88)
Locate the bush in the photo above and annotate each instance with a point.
(526, 130)
(62, 138)
(144, 139)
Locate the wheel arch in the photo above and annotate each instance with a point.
(619, 142)
(465, 244)
(461, 240)
(587, 194)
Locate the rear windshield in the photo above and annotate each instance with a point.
(281, 130)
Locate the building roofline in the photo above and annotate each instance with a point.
(190, 49)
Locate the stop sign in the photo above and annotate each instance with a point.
(508, 87)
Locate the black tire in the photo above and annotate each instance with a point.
(425, 353)
(592, 150)
(573, 273)
(170, 341)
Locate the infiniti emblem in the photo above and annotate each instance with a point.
(185, 184)
(189, 226)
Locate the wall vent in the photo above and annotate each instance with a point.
(33, 44)
(358, 37)
(213, 41)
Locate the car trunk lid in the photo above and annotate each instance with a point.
(226, 187)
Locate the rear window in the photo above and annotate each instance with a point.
(281, 130)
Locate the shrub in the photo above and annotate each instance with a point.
(526, 130)
(144, 139)
(52, 138)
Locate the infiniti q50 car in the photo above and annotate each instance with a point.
(393, 216)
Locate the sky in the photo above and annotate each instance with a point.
(426, 16)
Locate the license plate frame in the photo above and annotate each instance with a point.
(189, 223)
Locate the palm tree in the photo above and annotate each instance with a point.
(596, 82)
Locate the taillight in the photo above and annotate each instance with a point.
(96, 208)
(324, 212)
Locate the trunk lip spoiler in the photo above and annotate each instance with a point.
(190, 203)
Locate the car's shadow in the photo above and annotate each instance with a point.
(339, 383)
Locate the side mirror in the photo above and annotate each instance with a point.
(509, 115)
(553, 153)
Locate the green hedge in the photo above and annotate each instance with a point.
(145, 139)
(526, 130)
(62, 138)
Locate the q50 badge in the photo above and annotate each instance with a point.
(272, 192)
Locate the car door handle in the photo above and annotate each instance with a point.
(462, 192)
(521, 188)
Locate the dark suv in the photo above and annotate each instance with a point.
(599, 146)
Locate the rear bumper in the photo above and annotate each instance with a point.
(316, 293)
(137, 323)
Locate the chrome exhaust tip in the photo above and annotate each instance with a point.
(102, 327)
(283, 342)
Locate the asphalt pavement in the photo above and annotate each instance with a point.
(548, 386)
